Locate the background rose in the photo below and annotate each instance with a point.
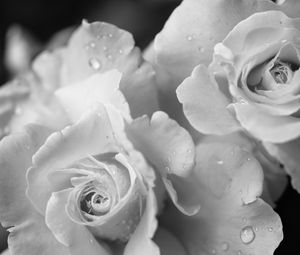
(64, 185)
(93, 48)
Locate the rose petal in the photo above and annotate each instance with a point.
(91, 135)
(101, 88)
(163, 142)
(266, 127)
(168, 243)
(168, 147)
(184, 43)
(205, 105)
(75, 236)
(227, 180)
(16, 211)
(288, 155)
(99, 47)
(141, 238)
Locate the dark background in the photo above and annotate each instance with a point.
(143, 18)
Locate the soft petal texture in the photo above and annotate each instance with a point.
(99, 47)
(193, 29)
(91, 135)
(164, 143)
(204, 105)
(141, 238)
(169, 148)
(71, 234)
(228, 182)
(99, 88)
(168, 243)
(266, 127)
(288, 155)
(16, 210)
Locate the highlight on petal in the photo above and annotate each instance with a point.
(204, 105)
(232, 220)
(99, 47)
(99, 88)
(91, 135)
(16, 211)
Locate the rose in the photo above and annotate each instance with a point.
(189, 36)
(87, 183)
(261, 93)
(92, 48)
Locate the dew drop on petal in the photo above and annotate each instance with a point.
(270, 229)
(120, 51)
(220, 162)
(110, 35)
(247, 235)
(225, 246)
(189, 38)
(92, 44)
(94, 63)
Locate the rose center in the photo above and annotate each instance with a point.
(95, 203)
(281, 72)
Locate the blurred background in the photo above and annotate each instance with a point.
(144, 19)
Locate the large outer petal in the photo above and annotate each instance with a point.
(169, 148)
(204, 104)
(288, 155)
(91, 135)
(111, 48)
(228, 181)
(266, 127)
(16, 211)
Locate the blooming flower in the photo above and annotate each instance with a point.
(259, 93)
(86, 183)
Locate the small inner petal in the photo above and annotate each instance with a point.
(281, 72)
(95, 202)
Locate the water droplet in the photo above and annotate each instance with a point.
(91, 241)
(270, 229)
(18, 110)
(284, 41)
(167, 169)
(104, 48)
(189, 37)
(110, 35)
(174, 153)
(95, 63)
(109, 56)
(247, 235)
(120, 51)
(220, 162)
(256, 229)
(92, 44)
(225, 246)
(189, 151)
